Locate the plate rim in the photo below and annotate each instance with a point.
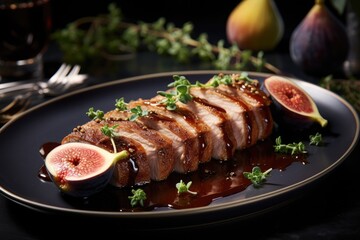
(183, 212)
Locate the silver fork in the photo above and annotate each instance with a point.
(20, 96)
(65, 78)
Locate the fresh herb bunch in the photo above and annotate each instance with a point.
(108, 36)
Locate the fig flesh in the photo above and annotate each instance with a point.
(319, 45)
(81, 169)
(293, 104)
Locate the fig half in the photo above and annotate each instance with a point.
(293, 104)
(81, 169)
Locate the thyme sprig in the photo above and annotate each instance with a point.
(120, 104)
(137, 112)
(292, 148)
(183, 187)
(181, 92)
(316, 139)
(108, 36)
(98, 114)
(256, 176)
(111, 133)
(138, 197)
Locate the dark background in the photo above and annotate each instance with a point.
(206, 16)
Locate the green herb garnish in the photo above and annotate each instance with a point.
(256, 176)
(98, 114)
(137, 112)
(316, 139)
(181, 93)
(138, 197)
(292, 148)
(110, 132)
(120, 104)
(183, 188)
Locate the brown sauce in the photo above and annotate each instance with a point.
(214, 179)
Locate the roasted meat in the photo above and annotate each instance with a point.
(217, 121)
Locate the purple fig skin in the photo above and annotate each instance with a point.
(80, 169)
(319, 44)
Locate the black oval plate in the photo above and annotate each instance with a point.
(22, 137)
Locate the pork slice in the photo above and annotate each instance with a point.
(158, 148)
(223, 140)
(257, 102)
(184, 138)
(202, 130)
(134, 171)
(242, 119)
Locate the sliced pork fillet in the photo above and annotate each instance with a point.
(223, 140)
(256, 101)
(158, 148)
(217, 121)
(189, 117)
(184, 137)
(242, 120)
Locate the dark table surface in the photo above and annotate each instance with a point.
(329, 210)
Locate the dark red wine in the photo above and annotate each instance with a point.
(24, 29)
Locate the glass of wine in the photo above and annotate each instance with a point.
(25, 27)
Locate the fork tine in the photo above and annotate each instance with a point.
(57, 73)
(60, 73)
(75, 70)
(64, 79)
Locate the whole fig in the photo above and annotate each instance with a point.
(255, 25)
(319, 44)
(81, 169)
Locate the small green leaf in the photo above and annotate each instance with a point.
(138, 197)
(98, 114)
(183, 188)
(256, 176)
(316, 139)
